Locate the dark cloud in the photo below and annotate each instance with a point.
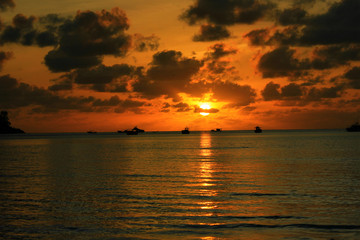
(165, 108)
(181, 107)
(211, 32)
(258, 36)
(238, 95)
(317, 94)
(226, 12)
(15, 94)
(353, 75)
(339, 25)
(219, 50)
(88, 37)
(271, 92)
(22, 31)
(4, 56)
(100, 78)
(335, 55)
(59, 61)
(169, 74)
(142, 43)
(292, 16)
(215, 61)
(6, 4)
(130, 105)
(102, 74)
(280, 63)
(303, 95)
(292, 91)
(62, 84)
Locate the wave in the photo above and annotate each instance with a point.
(259, 194)
(251, 225)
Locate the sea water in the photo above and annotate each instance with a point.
(221, 185)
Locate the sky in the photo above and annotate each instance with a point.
(80, 65)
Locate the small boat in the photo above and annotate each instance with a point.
(257, 129)
(131, 132)
(354, 128)
(138, 129)
(185, 131)
(216, 130)
(91, 132)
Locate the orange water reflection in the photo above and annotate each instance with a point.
(207, 169)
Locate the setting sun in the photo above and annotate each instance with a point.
(205, 106)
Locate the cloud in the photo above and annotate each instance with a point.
(142, 43)
(181, 107)
(15, 94)
(280, 63)
(84, 39)
(215, 61)
(303, 95)
(237, 95)
(6, 4)
(22, 31)
(338, 25)
(4, 56)
(100, 78)
(60, 61)
(353, 75)
(219, 50)
(271, 92)
(169, 74)
(292, 16)
(211, 32)
(226, 12)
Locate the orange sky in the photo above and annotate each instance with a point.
(79, 65)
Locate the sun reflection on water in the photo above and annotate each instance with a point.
(206, 170)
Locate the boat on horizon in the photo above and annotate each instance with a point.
(216, 130)
(91, 132)
(354, 128)
(133, 131)
(258, 129)
(185, 131)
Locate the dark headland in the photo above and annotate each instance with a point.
(5, 125)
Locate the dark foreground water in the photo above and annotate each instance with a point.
(229, 185)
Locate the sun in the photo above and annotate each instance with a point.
(205, 106)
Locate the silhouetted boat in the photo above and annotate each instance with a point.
(216, 130)
(131, 132)
(354, 128)
(138, 129)
(185, 131)
(91, 132)
(257, 129)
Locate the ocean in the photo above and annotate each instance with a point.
(302, 184)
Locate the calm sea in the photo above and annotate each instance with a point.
(228, 185)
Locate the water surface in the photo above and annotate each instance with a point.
(228, 185)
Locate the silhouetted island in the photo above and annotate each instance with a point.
(354, 128)
(5, 125)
